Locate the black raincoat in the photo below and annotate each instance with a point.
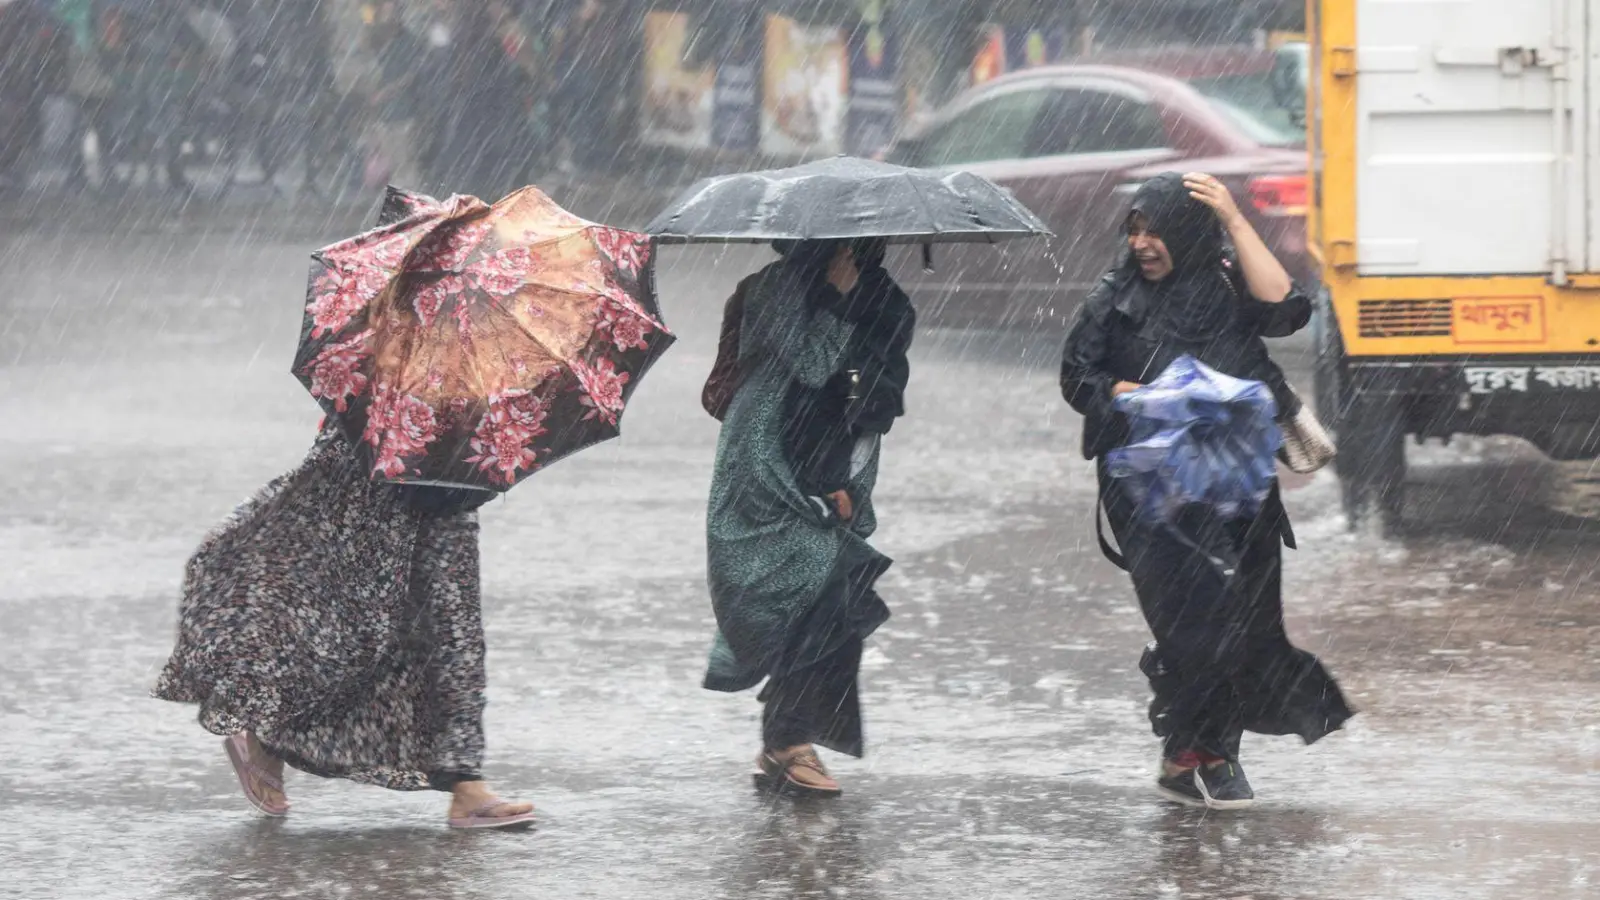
(1210, 588)
(826, 423)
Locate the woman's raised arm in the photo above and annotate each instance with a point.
(1267, 279)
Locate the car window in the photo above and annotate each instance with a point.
(1089, 121)
(993, 129)
(1270, 131)
(1268, 107)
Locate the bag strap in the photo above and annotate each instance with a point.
(1110, 552)
(1120, 560)
(1233, 274)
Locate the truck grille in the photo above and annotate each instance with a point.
(1404, 318)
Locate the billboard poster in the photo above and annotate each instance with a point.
(1026, 49)
(677, 99)
(874, 112)
(736, 106)
(989, 62)
(805, 82)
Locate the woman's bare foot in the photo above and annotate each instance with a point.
(474, 800)
(798, 767)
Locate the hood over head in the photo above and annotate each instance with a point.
(1189, 228)
(869, 252)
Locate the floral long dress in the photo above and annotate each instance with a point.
(341, 626)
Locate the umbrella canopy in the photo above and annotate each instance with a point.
(1198, 436)
(844, 198)
(464, 345)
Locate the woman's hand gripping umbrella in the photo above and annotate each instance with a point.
(1198, 437)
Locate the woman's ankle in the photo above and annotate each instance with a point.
(1185, 760)
(259, 754)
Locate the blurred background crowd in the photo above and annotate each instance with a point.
(328, 98)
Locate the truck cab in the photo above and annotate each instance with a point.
(1455, 152)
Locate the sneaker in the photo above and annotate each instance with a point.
(1224, 786)
(1181, 788)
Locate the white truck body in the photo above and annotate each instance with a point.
(1477, 136)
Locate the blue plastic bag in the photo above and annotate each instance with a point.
(1198, 436)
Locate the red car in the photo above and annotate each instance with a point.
(1074, 142)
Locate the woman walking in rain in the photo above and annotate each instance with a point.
(819, 339)
(1209, 586)
(333, 623)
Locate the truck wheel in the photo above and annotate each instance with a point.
(1576, 489)
(1368, 428)
(1328, 375)
(1372, 463)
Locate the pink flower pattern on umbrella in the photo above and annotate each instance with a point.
(392, 252)
(464, 326)
(381, 248)
(504, 435)
(334, 373)
(342, 293)
(629, 251)
(601, 385)
(447, 249)
(431, 298)
(496, 385)
(398, 425)
(503, 272)
(625, 324)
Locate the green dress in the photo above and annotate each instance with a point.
(789, 587)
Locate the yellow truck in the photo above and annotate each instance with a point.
(1455, 215)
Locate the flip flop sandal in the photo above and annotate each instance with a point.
(775, 777)
(480, 818)
(238, 748)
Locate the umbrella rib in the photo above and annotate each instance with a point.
(933, 221)
(971, 205)
(500, 344)
(558, 289)
(995, 189)
(1006, 198)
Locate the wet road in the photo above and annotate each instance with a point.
(143, 390)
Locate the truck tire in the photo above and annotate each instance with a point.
(1372, 463)
(1368, 426)
(1327, 375)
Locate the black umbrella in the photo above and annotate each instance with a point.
(844, 198)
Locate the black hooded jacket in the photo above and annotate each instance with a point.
(1131, 329)
(824, 423)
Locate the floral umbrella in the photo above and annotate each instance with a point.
(465, 345)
